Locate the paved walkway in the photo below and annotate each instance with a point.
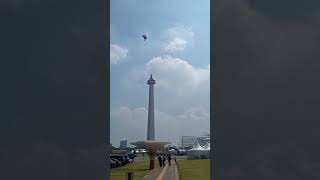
(171, 173)
(164, 173)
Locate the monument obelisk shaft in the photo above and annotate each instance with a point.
(151, 130)
(151, 145)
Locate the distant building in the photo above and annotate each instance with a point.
(123, 144)
(190, 141)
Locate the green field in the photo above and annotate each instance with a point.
(140, 169)
(140, 155)
(194, 169)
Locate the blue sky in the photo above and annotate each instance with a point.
(177, 52)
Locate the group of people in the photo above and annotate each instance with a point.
(162, 159)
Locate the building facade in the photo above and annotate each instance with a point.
(190, 141)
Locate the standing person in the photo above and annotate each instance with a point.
(164, 160)
(169, 159)
(160, 160)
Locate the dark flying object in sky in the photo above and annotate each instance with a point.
(144, 37)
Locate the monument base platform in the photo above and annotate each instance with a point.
(150, 145)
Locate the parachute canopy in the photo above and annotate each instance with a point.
(145, 37)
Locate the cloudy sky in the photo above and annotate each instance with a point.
(177, 53)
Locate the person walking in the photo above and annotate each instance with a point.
(160, 160)
(169, 159)
(131, 157)
(175, 159)
(164, 160)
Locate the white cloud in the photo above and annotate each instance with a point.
(176, 80)
(130, 123)
(177, 74)
(178, 37)
(117, 53)
(176, 44)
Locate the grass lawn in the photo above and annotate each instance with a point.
(194, 169)
(140, 169)
(140, 155)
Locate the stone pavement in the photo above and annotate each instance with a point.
(171, 172)
(164, 173)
